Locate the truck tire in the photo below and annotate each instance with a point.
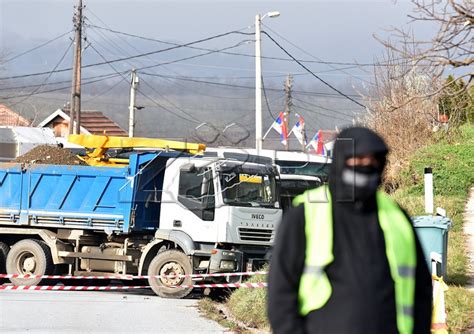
(31, 257)
(4, 249)
(170, 262)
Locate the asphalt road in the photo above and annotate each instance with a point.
(100, 312)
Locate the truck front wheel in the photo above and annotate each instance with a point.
(29, 257)
(170, 263)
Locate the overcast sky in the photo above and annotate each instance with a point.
(330, 30)
(336, 31)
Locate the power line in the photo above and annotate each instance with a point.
(125, 52)
(164, 108)
(160, 64)
(266, 100)
(245, 87)
(313, 74)
(122, 38)
(314, 57)
(103, 93)
(48, 77)
(321, 114)
(110, 41)
(116, 46)
(137, 50)
(170, 102)
(53, 90)
(194, 56)
(200, 93)
(151, 99)
(267, 76)
(36, 47)
(321, 107)
(130, 57)
(352, 64)
(56, 82)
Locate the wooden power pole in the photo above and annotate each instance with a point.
(288, 104)
(75, 106)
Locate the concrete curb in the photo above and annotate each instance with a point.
(469, 232)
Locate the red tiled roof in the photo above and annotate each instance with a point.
(10, 118)
(96, 123)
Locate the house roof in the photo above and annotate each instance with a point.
(10, 118)
(92, 122)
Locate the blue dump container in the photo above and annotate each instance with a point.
(432, 231)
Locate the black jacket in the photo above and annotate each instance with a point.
(362, 300)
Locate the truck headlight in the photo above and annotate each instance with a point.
(228, 265)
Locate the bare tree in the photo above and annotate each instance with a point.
(450, 47)
(409, 126)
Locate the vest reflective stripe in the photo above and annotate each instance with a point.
(406, 271)
(315, 288)
(401, 254)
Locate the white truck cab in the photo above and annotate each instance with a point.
(220, 201)
(292, 185)
(298, 171)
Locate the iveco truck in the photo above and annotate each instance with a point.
(162, 213)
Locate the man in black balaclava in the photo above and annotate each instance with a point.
(374, 250)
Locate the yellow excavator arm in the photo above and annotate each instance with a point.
(101, 143)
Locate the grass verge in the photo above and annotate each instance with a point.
(209, 308)
(250, 305)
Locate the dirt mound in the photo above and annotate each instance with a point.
(49, 155)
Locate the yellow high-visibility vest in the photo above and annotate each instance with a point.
(315, 288)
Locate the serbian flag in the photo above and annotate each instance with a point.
(280, 126)
(298, 130)
(317, 143)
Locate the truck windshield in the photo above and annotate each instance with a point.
(289, 189)
(320, 170)
(242, 187)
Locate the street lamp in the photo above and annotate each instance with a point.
(258, 78)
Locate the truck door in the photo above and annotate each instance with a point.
(194, 212)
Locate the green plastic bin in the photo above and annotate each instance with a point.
(432, 231)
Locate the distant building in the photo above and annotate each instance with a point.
(92, 123)
(18, 140)
(10, 118)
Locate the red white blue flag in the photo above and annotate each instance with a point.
(280, 126)
(317, 143)
(298, 130)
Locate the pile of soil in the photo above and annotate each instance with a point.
(49, 155)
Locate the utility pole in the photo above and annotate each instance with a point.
(258, 78)
(75, 105)
(258, 85)
(132, 107)
(288, 103)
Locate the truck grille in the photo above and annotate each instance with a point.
(255, 234)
